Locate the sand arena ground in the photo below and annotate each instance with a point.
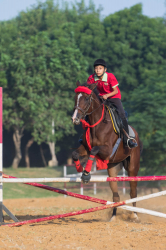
(89, 231)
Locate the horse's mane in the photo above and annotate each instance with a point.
(95, 91)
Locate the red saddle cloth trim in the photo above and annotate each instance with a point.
(83, 89)
(100, 163)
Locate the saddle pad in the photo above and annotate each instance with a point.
(131, 132)
(114, 123)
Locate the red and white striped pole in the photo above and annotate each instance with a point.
(1, 167)
(2, 206)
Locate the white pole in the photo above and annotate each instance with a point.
(82, 189)
(65, 174)
(64, 171)
(94, 188)
(124, 187)
(142, 211)
(146, 197)
(61, 179)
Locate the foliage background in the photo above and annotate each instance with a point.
(44, 50)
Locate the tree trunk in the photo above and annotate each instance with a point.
(27, 160)
(42, 155)
(53, 161)
(17, 135)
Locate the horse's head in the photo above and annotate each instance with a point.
(83, 100)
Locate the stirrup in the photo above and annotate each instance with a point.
(130, 138)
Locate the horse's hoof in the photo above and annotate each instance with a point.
(134, 217)
(125, 216)
(113, 219)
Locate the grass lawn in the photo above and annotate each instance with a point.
(19, 190)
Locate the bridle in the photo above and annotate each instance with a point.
(84, 112)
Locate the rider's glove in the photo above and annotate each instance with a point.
(85, 176)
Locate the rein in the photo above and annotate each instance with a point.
(88, 126)
(84, 112)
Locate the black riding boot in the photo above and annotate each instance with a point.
(127, 142)
(125, 127)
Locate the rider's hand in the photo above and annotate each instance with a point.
(85, 176)
(105, 97)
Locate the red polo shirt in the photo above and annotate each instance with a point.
(106, 85)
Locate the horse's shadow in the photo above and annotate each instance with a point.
(59, 221)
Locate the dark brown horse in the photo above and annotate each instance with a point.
(102, 140)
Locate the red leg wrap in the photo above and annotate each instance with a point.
(89, 163)
(78, 166)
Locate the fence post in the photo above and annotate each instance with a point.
(94, 188)
(2, 206)
(124, 185)
(65, 174)
(81, 189)
(64, 171)
(95, 184)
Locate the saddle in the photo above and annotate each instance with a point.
(117, 122)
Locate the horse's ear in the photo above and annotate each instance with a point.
(78, 83)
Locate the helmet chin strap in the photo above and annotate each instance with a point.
(101, 75)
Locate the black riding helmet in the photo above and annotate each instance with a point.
(100, 62)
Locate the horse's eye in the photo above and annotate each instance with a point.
(87, 98)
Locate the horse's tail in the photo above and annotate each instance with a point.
(141, 146)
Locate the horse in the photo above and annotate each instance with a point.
(102, 139)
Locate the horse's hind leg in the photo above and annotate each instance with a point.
(132, 170)
(113, 171)
(133, 194)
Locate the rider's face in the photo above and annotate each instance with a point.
(99, 70)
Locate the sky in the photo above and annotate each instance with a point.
(151, 8)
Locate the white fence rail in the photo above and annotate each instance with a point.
(94, 175)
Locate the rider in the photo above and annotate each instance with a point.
(107, 85)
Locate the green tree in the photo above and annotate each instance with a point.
(47, 48)
(148, 107)
(135, 47)
(41, 75)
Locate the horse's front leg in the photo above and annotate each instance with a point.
(86, 172)
(95, 150)
(79, 152)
